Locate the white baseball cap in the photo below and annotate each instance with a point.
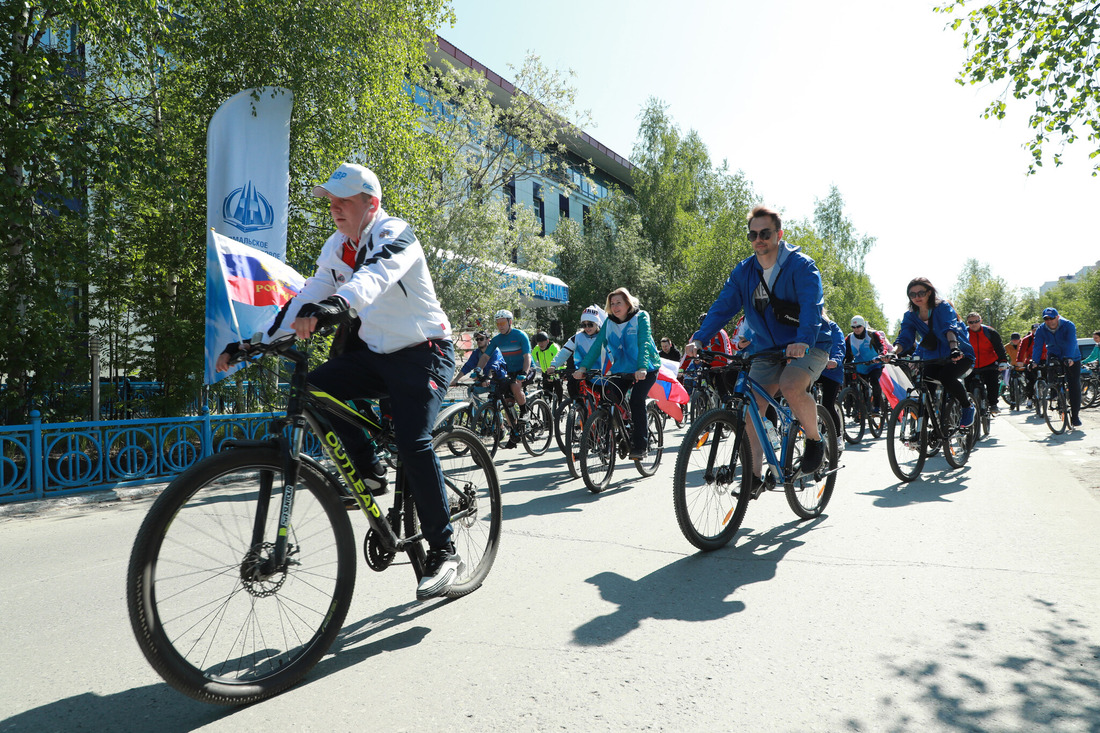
(348, 180)
(859, 321)
(593, 313)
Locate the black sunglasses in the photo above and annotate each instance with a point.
(917, 293)
(586, 324)
(1048, 318)
(765, 234)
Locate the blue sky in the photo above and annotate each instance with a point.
(801, 95)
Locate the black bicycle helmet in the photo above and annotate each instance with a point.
(541, 336)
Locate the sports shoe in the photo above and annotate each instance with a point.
(1029, 405)
(967, 418)
(512, 442)
(440, 570)
(1075, 422)
(637, 455)
(812, 453)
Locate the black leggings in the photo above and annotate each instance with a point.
(948, 375)
(829, 390)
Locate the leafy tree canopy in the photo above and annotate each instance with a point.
(1045, 51)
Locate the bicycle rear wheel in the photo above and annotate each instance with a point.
(655, 444)
(561, 412)
(876, 417)
(212, 619)
(959, 441)
(598, 450)
(1056, 410)
(906, 436)
(851, 415)
(808, 495)
(537, 427)
(574, 428)
(711, 485)
(473, 491)
(1090, 389)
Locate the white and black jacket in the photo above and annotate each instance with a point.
(390, 287)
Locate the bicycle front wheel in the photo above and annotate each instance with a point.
(574, 425)
(211, 614)
(876, 417)
(906, 436)
(473, 492)
(711, 484)
(655, 444)
(537, 428)
(959, 441)
(488, 426)
(808, 495)
(851, 415)
(598, 449)
(1056, 410)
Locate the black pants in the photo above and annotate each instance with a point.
(991, 378)
(948, 375)
(415, 379)
(829, 391)
(616, 387)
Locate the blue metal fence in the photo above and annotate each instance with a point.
(44, 460)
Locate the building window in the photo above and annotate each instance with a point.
(510, 192)
(563, 206)
(540, 208)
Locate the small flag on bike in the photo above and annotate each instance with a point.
(669, 393)
(254, 277)
(895, 385)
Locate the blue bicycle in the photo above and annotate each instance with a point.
(713, 482)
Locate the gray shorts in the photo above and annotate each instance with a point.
(767, 371)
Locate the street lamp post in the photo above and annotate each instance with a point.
(93, 351)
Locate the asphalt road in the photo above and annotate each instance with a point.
(966, 601)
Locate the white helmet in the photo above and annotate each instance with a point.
(503, 314)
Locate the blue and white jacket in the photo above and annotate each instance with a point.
(392, 289)
(577, 347)
(629, 345)
(796, 279)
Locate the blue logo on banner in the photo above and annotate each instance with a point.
(248, 210)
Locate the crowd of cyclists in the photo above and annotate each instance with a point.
(373, 283)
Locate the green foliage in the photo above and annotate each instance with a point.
(1045, 51)
(479, 146)
(131, 128)
(978, 291)
(1078, 301)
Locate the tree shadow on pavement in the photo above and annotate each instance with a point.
(1052, 683)
(693, 588)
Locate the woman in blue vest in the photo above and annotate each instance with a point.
(628, 339)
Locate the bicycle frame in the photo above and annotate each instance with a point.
(306, 411)
(745, 388)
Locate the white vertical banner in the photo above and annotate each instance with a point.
(247, 195)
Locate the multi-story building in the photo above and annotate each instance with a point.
(1069, 278)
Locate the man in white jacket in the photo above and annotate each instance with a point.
(372, 278)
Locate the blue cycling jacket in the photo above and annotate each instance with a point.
(941, 320)
(1060, 343)
(797, 280)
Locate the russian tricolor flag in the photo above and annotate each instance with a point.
(254, 277)
(895, 385)
(668, 392)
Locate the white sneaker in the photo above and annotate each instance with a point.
(442, 567)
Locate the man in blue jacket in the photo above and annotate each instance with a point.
(1059, 335)
(770, 286)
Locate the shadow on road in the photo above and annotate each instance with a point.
(694, 588)
(163, 709)
(1051, 684)
(935, 488)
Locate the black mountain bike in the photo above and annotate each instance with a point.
(922, 423)
(1056, 408)
(855, 403)
(242, 573)
(499, 416)
(1016, 389)
(605, 438)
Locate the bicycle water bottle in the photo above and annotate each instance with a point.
(773, 437)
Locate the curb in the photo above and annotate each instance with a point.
(28, 508)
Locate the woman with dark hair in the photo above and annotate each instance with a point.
(941, 335)
(628, 341)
